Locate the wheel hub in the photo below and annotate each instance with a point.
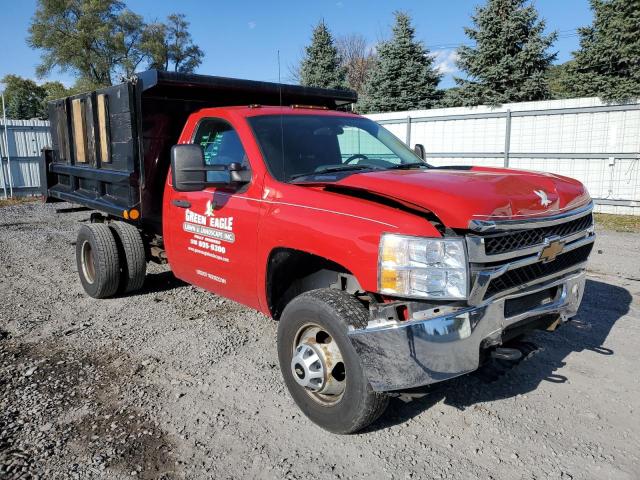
(317, 364)
(307, 368)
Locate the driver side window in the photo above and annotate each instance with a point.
(356, 141)
(221, 145)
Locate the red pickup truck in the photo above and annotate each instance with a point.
(384, 272)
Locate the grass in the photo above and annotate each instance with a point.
(17, 201)
(618, 223)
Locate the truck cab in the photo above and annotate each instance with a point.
(383, 272)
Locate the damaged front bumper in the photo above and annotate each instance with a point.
(432, 347)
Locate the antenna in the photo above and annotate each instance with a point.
(284, 173)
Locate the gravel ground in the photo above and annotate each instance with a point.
(174, 382)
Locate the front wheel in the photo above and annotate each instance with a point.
(321, 369)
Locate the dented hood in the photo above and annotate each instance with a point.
(458, 196)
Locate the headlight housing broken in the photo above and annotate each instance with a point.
(417, 267)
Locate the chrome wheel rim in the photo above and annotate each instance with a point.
(317, 364)
(88, 265)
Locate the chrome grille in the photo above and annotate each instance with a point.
(511, 241)
(528, 273)
(507, 256)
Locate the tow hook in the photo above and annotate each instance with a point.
(503, 359)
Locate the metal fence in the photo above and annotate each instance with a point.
(582, 138)
(20, 145)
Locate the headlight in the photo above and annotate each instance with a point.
(433, 268)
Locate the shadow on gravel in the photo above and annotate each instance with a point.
(159, 282)
(603, 304)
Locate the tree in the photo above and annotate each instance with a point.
(321, 65)
(510, 58)
(101, 41)
(557, 80)
(170, 46)
(55, 90)
(96, 39)
(608, 62)
(404, 76)
(356, 58)
(24, 99)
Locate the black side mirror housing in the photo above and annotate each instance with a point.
(187, 168)
(190, 174)
(418, 149)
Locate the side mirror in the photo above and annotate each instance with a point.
(190, 174)
(418, 149)
(187, 168)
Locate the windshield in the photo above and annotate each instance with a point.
(305, 146)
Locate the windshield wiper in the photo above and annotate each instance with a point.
(336, 168)
(409, 166)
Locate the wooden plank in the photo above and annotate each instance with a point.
(79, 130)
(103, 132)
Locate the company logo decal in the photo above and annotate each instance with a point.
(544, 199)
(207, 225)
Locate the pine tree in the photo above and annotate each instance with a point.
(321, 65)
(510, 58)
(404, 76)
(608, 62)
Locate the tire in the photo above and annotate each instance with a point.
(332, 311)
(98, 260)
(133, 259)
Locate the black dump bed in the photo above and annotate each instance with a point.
(111, 147)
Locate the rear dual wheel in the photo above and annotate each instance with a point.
(110, 259)
(321, 369)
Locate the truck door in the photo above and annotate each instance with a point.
(210, 235)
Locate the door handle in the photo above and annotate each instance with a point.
(181, 203)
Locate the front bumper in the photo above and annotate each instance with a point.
(419, 352)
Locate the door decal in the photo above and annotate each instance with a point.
(209, 233)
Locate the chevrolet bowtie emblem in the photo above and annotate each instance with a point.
(544, 199)
(551, 251)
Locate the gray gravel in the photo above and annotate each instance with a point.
(175, 382)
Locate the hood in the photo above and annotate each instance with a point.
(458, 196)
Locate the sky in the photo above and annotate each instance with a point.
(241, 38)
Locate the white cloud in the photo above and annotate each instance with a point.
(445, 61)
(252, 25)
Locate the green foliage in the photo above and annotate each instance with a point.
(55, 90)
(404, 76)
(321, 65)
(557, 76)
(608, 62)
(25, 99)
(510, 59)
(101, 40)
(96, 39)
(450, 98)
(170, 46)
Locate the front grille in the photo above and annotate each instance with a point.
(508, 242)
(518, 276)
